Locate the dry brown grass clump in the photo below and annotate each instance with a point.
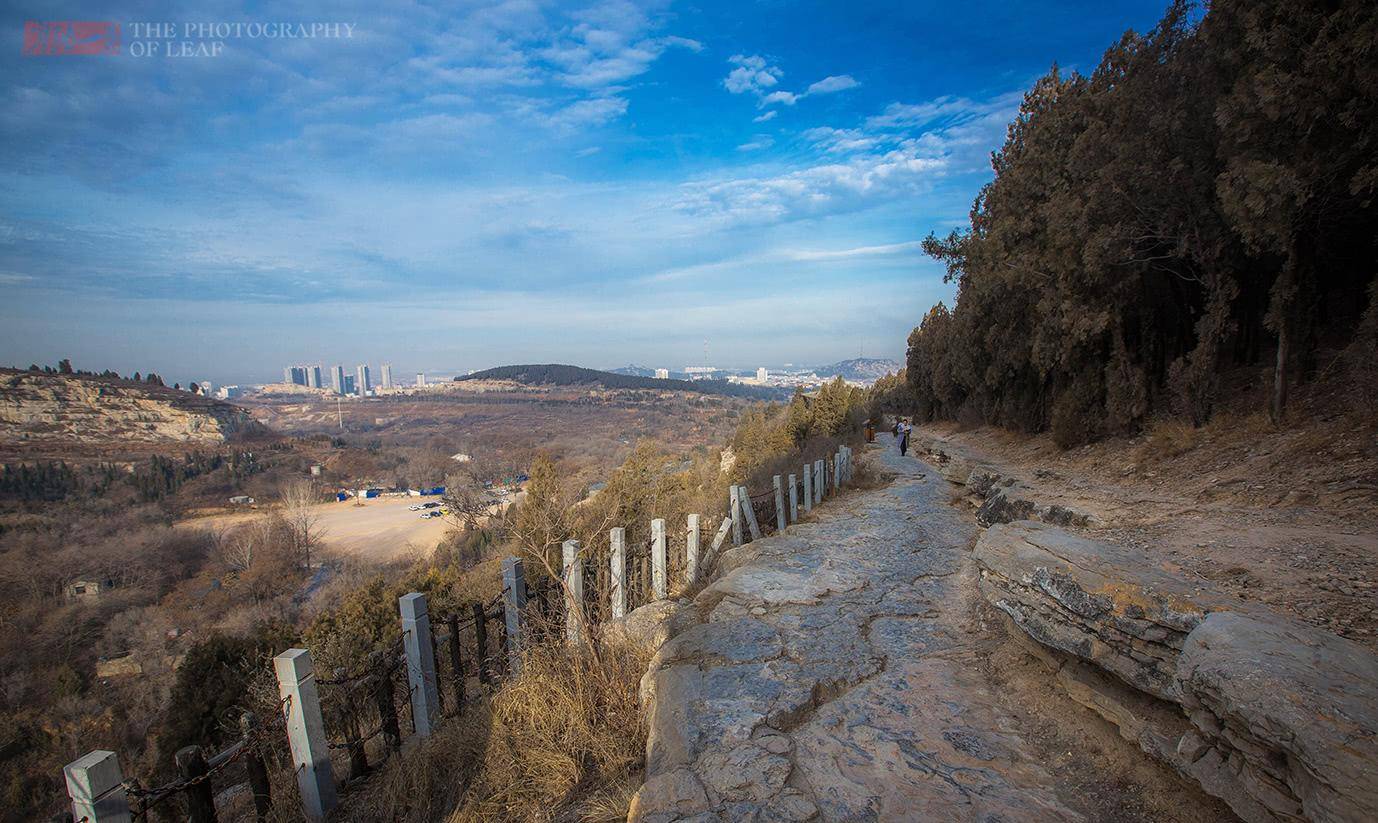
(567, 740)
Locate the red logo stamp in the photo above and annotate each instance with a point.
(62, 37)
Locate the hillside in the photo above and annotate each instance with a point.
(39, 410)
(556, 374)
(860, 369)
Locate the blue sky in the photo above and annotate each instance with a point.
(456, 186)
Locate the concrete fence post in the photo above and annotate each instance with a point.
(734, 510)
(748, 512)
(574, 592)
(514, 608)
(420, 651)
(618, 559)
(808, 487)
(779, 504)
(691, 551)
(837, 471)
(659, 558)
(95, 785)
(820, 483)
(793, 498)
(306, 732)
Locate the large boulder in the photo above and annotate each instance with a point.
(1283, 716)
(1092, 600)
(1294, 709)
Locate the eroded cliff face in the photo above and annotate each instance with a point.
(38, 408)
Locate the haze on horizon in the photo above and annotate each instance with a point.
(477, 184)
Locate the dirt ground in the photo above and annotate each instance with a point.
(382, 529)
(1287, 518)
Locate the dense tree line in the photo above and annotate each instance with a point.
(160, 476)
(1203, 200)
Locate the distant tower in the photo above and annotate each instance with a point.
(387, 375)
(287, 374)
(339, 375)
(762, 374)
(313, 375)
(662, 374)
(361, 382)
(421, 380)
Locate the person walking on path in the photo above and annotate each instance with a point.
(903, 435)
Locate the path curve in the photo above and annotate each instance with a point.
(836, 676)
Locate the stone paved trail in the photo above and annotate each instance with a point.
(836, 676)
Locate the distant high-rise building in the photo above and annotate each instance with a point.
(387, 375)
(287, 374)
(421, 380)
(207, 387)
(662, 374)
(349, 387)
(339, 375)
(761, 374)
(313, 377)
(361, 381)
(295, 376)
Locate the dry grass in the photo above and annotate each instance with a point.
(567, 740)
(1168, 438)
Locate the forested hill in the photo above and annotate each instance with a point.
(1200, 206)
(555, 374)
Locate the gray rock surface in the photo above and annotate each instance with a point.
(835, 677)
(1285, 716)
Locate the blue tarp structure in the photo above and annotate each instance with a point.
(340, 497)
(433, 491)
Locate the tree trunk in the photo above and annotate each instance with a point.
(1279, 403)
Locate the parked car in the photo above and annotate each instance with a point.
(430, 505)
(429, 515)
(416, 508)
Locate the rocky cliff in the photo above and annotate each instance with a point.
(38, 408)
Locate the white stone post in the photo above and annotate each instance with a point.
(837, 471)
(659, 560)
(416, 641)
(306, 732)
(779, 504)
(748, 513)
(735, 511)
(574, 592)
(95, 785)
(691, 551)
(808, 487)
(618, 555)
(819, 481)
(793, 499)
(514, 608)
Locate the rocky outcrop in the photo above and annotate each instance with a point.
(38, 407)
(1003, 499)
(1283, 717)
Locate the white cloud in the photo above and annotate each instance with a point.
(825, 188)
(770, 115)
(828, 85)
(588, 152)
(592, 112)
(784, 97)
(752, 74)
(860, 251)
(761, 141)
(835, 141)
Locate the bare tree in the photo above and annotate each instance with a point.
(467, 504)
(299, 499)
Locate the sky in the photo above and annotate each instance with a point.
(453, 186)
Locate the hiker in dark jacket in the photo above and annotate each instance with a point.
(904, 437)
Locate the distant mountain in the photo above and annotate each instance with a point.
(556, 374)
(633, 370)
(861, 369)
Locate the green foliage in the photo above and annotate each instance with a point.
(1206, 190)
(211, 686)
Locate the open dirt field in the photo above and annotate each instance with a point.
(382, 529)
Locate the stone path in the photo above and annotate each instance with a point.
(835, 676)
